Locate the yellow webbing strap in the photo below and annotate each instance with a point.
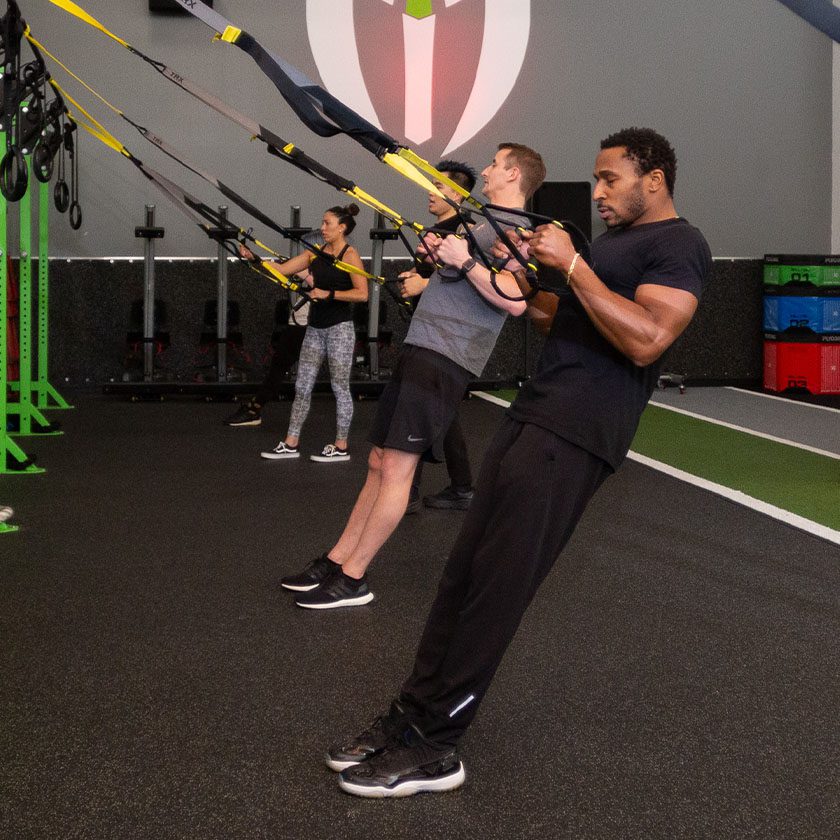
(69, 72)
(274, 273)
(90, 124)
(420, 163)
(408, 170)
(80, 13)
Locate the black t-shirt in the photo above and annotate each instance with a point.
(585, 390)
(328, 313)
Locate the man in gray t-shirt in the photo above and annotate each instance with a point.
(452, 318)
(452, 334)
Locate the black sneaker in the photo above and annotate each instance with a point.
(370, 742)
(338, 590)
(409, 764)
(331, 454)
(317, 571)
(245, 415)
(450, 498)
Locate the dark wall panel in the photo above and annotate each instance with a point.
(90, 302)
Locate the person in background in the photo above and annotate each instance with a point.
(458, 494)
(285, 352)
(329, 333)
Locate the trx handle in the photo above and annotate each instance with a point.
(14, 175)
(61, 196)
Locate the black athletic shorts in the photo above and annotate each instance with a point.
(419, 403)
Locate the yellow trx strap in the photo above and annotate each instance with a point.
(80, 13)
(90, 124)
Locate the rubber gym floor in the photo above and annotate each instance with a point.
(676, 677)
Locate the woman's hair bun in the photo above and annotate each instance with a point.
(352, 209)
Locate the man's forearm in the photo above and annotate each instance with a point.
(480, 278)
(542, 307)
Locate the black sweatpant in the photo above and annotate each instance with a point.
(457, 458)
(532, 489)
(286, 352)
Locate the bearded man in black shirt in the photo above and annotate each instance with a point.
(568, 430)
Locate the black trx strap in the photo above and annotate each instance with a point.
(13, 170)
(61, 192)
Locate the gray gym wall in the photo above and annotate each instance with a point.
(741, 88)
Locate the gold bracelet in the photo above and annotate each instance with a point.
(572, 266)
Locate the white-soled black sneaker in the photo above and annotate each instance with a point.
(369, 742)
(409, 764)
(281, 451)
(338, 590)
(331, 453)
(313, 575)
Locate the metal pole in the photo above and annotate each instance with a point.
(374, 292)
(25, 316)
(294, 220)
(149, 300)
(45, 392)
(222, 306)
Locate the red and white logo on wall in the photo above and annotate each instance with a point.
(428, 71)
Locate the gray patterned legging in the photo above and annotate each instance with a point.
(336, 343)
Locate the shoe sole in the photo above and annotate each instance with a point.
(323, 459)
(447, 505)
(338, 766)
(300, 587)
(257, 422)
(449, 782)
(272, 456)
(347, 602)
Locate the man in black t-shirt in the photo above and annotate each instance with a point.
(568, 430)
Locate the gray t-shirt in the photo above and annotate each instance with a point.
(453, 319)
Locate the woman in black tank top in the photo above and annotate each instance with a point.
(329, 333)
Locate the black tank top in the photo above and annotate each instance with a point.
(328, 313)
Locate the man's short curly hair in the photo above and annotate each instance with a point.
(461, 173)
(649, 149)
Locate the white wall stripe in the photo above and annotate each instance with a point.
(788, 400)
(736, 496)
(752, 432)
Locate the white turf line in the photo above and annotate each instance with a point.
(781, 399)
(825, 453)
(736, 496)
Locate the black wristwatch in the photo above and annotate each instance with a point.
(468, 265)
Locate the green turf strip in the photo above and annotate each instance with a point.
(792, 479)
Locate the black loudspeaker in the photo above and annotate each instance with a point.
(569, 200)
(170, 7)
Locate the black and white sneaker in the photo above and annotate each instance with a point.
(371, 741)
(409, 764)
(313, 575)
(281, 451)
(331, 453)
(245, 415)
(338, 590)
